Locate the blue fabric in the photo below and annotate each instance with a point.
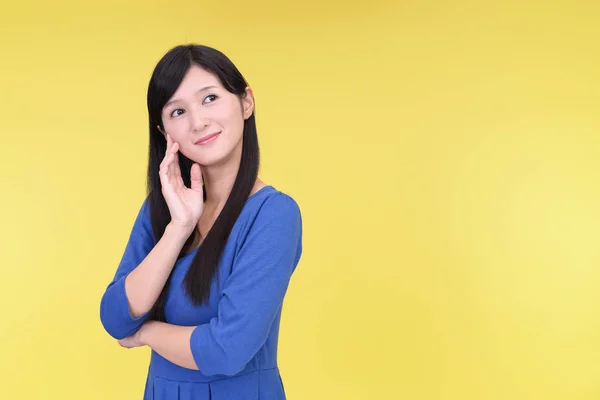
(235, 340)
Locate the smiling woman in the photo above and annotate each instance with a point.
(199, 116)
(213, 248)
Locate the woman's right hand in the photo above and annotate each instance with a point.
(185, 204)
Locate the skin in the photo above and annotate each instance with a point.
(200, 106)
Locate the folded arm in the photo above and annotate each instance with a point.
(252, 296)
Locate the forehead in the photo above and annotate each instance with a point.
(198, 76)
(195, 80)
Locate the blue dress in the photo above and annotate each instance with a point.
(235, 340)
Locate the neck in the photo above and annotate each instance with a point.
(218, 183)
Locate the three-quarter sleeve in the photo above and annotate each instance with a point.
(114, 307)
(253, 294)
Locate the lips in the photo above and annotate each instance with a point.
(207, 138)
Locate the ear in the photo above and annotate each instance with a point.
(248, 103)
(161, 131)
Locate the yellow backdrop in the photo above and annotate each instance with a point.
(445, 154)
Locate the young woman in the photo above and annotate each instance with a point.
(204, 274)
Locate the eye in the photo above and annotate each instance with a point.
(174, 111)
(210, 96)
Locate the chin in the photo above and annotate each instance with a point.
(214, 158)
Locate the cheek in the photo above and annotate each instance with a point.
(230, 112)
(221, 115)
(233, 117)
(175, 127)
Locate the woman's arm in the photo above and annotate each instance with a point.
(170, 341)
(252, 296)
(141, 275)
(146, 265)
(144, 284)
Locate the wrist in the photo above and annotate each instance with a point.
(144, 333)
(177, 232)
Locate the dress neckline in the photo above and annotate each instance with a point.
(262, 189)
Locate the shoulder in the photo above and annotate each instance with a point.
(271, 203)
(272, 224)
(270, 213)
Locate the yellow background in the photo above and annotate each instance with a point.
(445, 154)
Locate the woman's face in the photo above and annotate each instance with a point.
(205, 119)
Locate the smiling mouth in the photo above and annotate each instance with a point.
(208, 138)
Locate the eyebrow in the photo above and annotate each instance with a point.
(197, 91)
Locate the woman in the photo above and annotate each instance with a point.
(212, 250)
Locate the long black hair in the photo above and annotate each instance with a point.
(166, 78)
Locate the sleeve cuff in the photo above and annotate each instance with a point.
(117, 317)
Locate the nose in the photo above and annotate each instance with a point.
(198, 121)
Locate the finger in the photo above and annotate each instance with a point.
(170, 147)
(174, 162)
(177, 178)
(164, 167)
(164, 164)
(196, 177)
(177, 168)
(169, 144)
